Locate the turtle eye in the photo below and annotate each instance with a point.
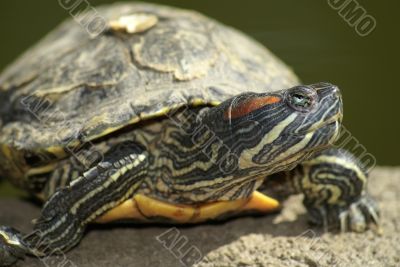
(302, 98)
(32, 160)
(36, 160)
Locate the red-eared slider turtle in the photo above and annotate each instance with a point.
(166, 116)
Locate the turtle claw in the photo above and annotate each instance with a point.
(12, 247)
(360, 215)
(357, 217)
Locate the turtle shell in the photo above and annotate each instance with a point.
(73, 87)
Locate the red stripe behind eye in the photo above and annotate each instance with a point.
(248, 106)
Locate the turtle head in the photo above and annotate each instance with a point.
(271, 132)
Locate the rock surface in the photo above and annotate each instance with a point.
(283, 239)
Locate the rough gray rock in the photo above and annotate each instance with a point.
(283, 239)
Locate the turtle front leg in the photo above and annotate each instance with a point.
(334, 187)
(67, 212)
(335, 193)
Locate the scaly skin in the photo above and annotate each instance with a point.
(210, 158)
(334, 185)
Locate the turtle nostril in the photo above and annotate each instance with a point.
(328, 90)
(335, 90)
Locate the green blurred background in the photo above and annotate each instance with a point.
(308, 35)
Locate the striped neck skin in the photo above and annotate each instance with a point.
(222, 152)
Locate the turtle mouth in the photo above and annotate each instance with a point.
(327, 133)
(316, 141)
(333, 122)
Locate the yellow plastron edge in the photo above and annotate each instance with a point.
(144, 208)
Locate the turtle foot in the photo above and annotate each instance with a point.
(12, 247)
(359, 216)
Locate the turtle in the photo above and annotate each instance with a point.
(167, 116)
